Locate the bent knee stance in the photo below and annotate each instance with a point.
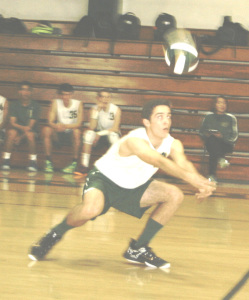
(81, 214)
(177, 195)
(89, 213)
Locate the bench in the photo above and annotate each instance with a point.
(136, 72)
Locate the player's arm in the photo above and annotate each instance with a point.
(141, 148)
(52, 115)
(93, 118)
(117, 120)
(178, 156)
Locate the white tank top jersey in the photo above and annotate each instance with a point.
(67, 115)
(2, 102)
(130, 172)
(106, 118)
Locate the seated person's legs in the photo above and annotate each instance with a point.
(31, 138)
(76, 141)
(217, 149)
(88, 140)
(11, 136)
(48, 135)
(14, 136)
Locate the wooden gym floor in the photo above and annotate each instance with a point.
(207, 244)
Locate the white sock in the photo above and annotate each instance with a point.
(33, 156)
(6, 155)
(85, 158)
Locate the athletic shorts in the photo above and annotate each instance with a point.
(125, 200)
(64, 138)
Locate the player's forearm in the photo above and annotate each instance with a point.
(189, 167)
(72, 126)
(17, 126)
(172, 169)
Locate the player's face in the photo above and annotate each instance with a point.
(160, 121)
(221, 106)
(104, 100)
(66, 97)
(25, 92)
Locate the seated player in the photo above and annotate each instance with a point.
(104, 127)
(64, 126)
(24, 114)
(219, 132)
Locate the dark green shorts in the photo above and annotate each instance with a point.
(125, 200)
(64, 138)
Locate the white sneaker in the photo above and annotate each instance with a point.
(223, 163)
(212, 178)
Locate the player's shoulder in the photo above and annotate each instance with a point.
(75, 100)
(229, 115)
(176, 144)
(138, 132)
(113, 106)
(209, 114)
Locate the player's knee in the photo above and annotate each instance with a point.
(30, 136)
(113, 137)
(46, 131)
(175, 195)
(178, 195)
(11, 134)
(89, 137)
(90, 212)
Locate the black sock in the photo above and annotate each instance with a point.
(150, 230)
(62, 228)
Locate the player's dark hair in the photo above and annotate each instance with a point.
(65, 87)
(149, 107)
(215, 101)
(27, 83)
(103, 91)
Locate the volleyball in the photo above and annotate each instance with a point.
(181, 54)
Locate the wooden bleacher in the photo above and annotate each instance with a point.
(136, 72)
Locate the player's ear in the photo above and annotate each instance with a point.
(146, 122)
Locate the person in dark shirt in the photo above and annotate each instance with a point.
(219, 132)
(23, 117)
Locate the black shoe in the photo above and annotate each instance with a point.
(39, 250)
(5, 164)
(144, 255)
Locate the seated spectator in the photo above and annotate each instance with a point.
(219, 132)
(24, 114)
(3, 117)
(104, 127)
(64, 126)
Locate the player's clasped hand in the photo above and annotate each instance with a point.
(206, 191)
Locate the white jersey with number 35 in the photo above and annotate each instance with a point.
(67, 115)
